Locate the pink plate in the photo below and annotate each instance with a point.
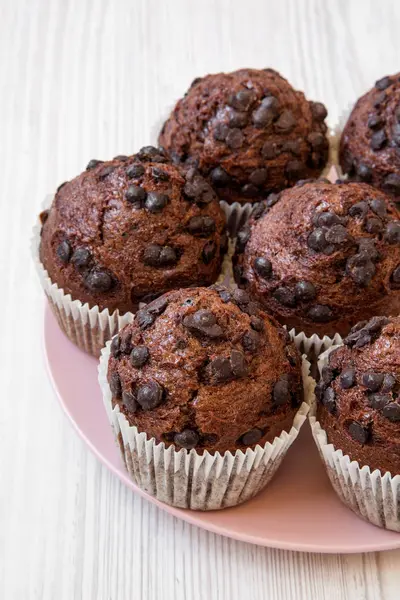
(297, 511)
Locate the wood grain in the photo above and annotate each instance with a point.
(89, 79)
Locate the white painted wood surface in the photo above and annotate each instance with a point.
(85, 79)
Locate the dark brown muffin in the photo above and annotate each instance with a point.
(249, 132)
(323, 256)
(205, 369)
(370, 142)
(359, 395)
(130, 229)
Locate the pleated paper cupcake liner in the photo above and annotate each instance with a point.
(186, 479)
(371, 495)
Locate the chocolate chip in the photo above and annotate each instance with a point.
(258, 177)
(317, 140)
(238, 363)
(366, 248)
(318, 111)
(243, 237)
(337, 235)
(320, 313)
(158, 306)
(378, 140)
(375, 121)
(272, 199)
(263, 267)
(129, 401)
(266, 112)
(144, 319)
(203, 323)
(379, 99)
(60, 187)
(379, 207)
(93, 163)
(220, 370)
(159, 256)
(358, 432)
(326, 219)
(208, 253)
(392, 233)
(134, 171)
(293, 147)
(241, 297)
(187, 439)
(251, 341)
(316, 240)
(115, 385)
(270, 150)
(98, 281)
(121, 157)
(372, 381)
(155, 202)
(64, 251)
(373, 225)
(238, 119)
(364, 172)
(392, 412)
(285, 296)
(199, 190)
(220, 178)
(234, 139)
(361, 269)
(105, 171)
(383, 83)
(359, 209)
(294, 169)
(222, 292)
(220, 132)
(281, 391)
(347, 378)
(150, 395)
(81, 258)
(392, 184)
(305, 291)
(286, 122)
(251, 437)
(160, 174)
(388, 383)
(135, 195)
(151, 154)
(327, 375)
(257, 323)
(115, 346)
(378, 401)
(249, 190)
(201, 226)
(329, 400)
(396, 134)
(396, 275)
(242, 100)
(139, 356)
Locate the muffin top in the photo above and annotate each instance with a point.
(322, 256)
(249, 132)
(130, 229)
(359, 404)
(206, 369)
(370, 142)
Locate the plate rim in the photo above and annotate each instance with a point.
(186, 514)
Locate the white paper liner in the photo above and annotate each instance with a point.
(205, 481)
(370, 495)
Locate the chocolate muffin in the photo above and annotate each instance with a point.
(249, 132)
(129, 229)
(370, 142)
(322, 256)
(206, 369)
(359, 395)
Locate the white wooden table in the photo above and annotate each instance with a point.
(82, 79)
